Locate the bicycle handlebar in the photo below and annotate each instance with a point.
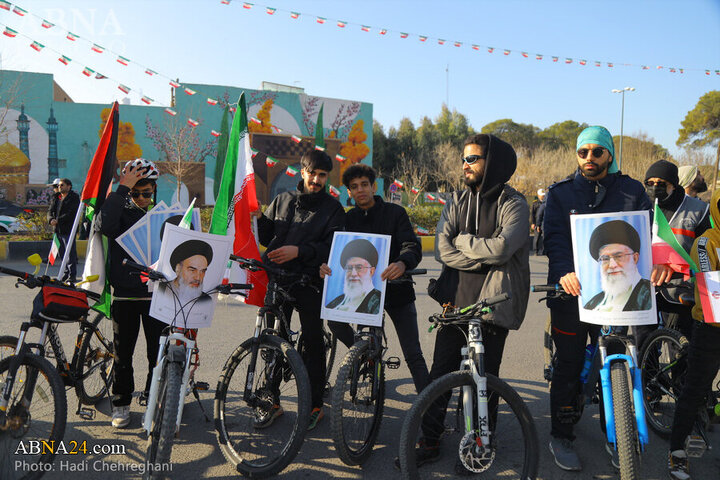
(547, 288)
(151, 274)
(417, 271)
(33, 281)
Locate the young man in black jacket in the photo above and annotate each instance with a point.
(297, 228)
(131, 299)
(372, 215)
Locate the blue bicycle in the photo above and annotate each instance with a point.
(620, 389)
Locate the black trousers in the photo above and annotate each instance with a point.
(446, 359)
(127, 316)
(71, 268)
(703, 362)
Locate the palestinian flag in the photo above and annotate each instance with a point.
(666, 250)
(383, 31)
(236, 199)
(422, 231)
(150, 72)
(319, 131)
(555, 59)
(54, 250)
(37, 46)
(174, 84)
(215, 133)
(321, 20)
(294, 15)
(506, 52)
(19, 11)
(64, 60)
(189, 91)
(270, 161)
(291, 171)
(403, 35)
(568, 60)
(583, 62)
(5, 5)
(97, 48)
(9, 32)
(254, 152)
(341, 24)
(46, 24)
(270, 10)
(212, 101)
(334, 191)
(170, 112)
(147, 100)
(193, 123)
(123, 88)
(491, 49)
(364, 28)
(340, 158)
(247, 5)
(123, 61)
(296, 139)
(88, 72)
(441, 41)
(71, 36)
(415, 190)
(524, 54)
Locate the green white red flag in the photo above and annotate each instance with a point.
(340, 158)
(247, 5)
(415, 190)
(291, 171)
(295, 15)
(174, 84)
(422, 231)
(46, 24)
(186, 221)
(666, 250)
(236, 199)
(97, 48)
(19, 11)
(87, 71)
(296, 139)
(54, 249)
(170, 111)
(147, 100)
(190, 91)
(37, 46)
(269, 161)
(193, 123)
(9, 32)
(212, 101)
(215, 133)
(64, 60)
(123, 88)
(5, 5)
(334, 191)
(123, 61)
(71, 36)
(398, 183)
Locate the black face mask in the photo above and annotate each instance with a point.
(656, 192)
(702, 187)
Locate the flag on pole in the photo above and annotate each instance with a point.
(186, 221)
(319, 132)
(54, 249)
(398, 183)
(666, 250)
(236, 200)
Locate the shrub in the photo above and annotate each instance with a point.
(425, 216)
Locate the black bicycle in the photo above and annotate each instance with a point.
(358, 397)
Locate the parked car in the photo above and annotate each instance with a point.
(9, 224)
(12, 209)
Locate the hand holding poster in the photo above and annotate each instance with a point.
(354, 293)
(613, 262)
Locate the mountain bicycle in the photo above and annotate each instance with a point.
(262, 400)
(487, 425)
(33, 404)
(172, 376)
(359, 394)
(620, 389)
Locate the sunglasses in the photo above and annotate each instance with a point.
(597, 152)
(470, 159)
(56, 186)
(652, 183)
(141, 194)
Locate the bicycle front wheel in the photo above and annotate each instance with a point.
(260, 433)
(662, 362)
(95, 362)
(162, 433)
(513, 451)
(36, 414)
(626, 437)
(357, 404)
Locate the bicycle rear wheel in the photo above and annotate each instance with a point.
(7, 346)
(162, 433)
(513, 452)
(626, 437)
(31, 416)
(662, 362)
(357, 404)
(95, 362)
(262, 434)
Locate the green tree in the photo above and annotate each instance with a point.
(701, 127)
(383, 160)
(452, 127)
(521, 136)
(561, 134)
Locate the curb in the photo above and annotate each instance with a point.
(22, 250)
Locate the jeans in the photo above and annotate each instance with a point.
(71, 268)
(703, 361)
(127, 316)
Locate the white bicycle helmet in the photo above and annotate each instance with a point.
(151, 171)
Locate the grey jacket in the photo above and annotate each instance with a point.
(507, 252)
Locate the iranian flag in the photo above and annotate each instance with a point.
(190, 91)
(174, 84)
(97, 48)
(665, 248)
(192, 123)
(475, 47)
(583, 62)
(147, 100)
(398, 183)
(96, 188)
(123, 88)
(255, 120)
(5, 5)
(247, 5)
(458, 44)
(54, 250)
(341, 24)
(37, 46)
(46, 24)
(123, 61)
(254, 152)
(568, 60)
(212, 101)
(610, 65)
(295, 15)
(321, 20)
(415, 190)
(422, 231)
(524, 54)
(423, 38)
(19, 11)
(236, 200)
(506, 52)
(291, 171)
(64, 60)
(334, 191)
(441, 41)
(270, 10)
(430, 197)
(150, 71)
(296, 139)
(442, 201)
(403, 35)
(71, 36)
(491, 49)
(340, 158)
(538, 57)
(269, 161)
(215, 133)
(383, 31)
(88, 71)
(555, 59)
(9, 32)
(365, 28)
(170, 111)
(597, 64)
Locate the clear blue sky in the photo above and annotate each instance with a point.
(204, 41)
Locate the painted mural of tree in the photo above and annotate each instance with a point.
(127, 149)
(309, 114)
(264, 116)
(346, 113)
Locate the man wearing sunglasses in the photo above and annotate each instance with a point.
(131, 299)
(596, 187)
(61, 215)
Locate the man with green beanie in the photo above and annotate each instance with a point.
(596, 187)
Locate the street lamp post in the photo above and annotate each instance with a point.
(622, 118)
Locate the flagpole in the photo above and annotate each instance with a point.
(71, 240)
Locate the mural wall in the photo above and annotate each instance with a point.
(41, 139)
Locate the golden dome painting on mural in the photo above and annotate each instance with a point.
(14, 165)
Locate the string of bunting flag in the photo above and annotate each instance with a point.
(459, 44)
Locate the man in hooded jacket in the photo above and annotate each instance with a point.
(483, 233)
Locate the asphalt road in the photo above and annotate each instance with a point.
(196, 454)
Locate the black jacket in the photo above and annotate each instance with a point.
(117, 215)
(307, 220)
(66, 210)
(52, 211)
(390, 219)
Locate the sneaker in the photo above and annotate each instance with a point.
(425, 452)
(564, 454)
(315, 416)
(121, 416)
(264, 419)
(143, 398)
(615, 457)
(678, 465)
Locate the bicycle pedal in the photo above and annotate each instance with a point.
(85, 413)
(202, 386)
(393, 363)
(695, 446)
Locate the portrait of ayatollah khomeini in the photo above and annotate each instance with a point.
(358, 259)
(615, 245)
(190, 261)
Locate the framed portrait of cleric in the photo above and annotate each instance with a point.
(354, 292)
(194, 262)
(613, 261)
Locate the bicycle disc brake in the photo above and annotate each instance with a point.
(474, 456)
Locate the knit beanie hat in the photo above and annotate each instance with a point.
(599, 136)
(665, 170)
(686, 175)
